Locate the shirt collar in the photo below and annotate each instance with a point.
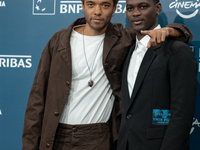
(144, 41)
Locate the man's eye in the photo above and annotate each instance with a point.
(105, 5)
(143, 7)
(129, 8)
(90, 5)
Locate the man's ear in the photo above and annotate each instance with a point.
(82, 6)
(158, 8)
(114, 8)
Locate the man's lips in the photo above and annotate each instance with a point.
(137, 21)
(97, 19)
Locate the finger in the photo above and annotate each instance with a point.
(158, 38)
(163, 37)
(145, 32)
(165, 34)
(149, 44)
(153, 42)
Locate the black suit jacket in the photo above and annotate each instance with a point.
(166, 81)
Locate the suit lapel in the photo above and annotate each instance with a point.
(125, 90)
(146, 63)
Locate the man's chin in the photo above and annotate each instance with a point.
(137, 29)
(97, 27)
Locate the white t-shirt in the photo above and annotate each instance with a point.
(85, 104)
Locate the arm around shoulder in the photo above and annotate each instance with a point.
(181, 31)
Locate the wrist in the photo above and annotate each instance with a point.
(173, 32)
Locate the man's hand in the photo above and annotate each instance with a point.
(159, 35)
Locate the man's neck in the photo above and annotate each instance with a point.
(88, 31)
(140, 36)
(144, 39)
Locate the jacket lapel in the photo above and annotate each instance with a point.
(125, 90)
(64, 45)
(111, 37)
(146, 63)
(66, 55)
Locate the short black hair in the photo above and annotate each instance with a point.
(157, 1)
(114, 1)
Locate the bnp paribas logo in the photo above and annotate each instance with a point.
(44, 7)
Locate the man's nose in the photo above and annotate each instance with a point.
(97, 10)
(136, 12)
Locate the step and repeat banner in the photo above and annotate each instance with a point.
(25, 28)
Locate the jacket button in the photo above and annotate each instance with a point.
(105, 64)
(56, 113)
(128, 117)
(48, 145)
(67, 83)
(74, 129)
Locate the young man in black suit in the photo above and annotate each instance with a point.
(158, 87)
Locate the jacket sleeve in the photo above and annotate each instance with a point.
(182, 69)
(36, 103)
(186, 33)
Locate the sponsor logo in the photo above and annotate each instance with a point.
(199, 59)
(161, 116)
(70, 7)
(15, 61)
(181, 5)
(0, 112)
(2, 4)
(121, 7)
(44, 7)
(48, 7)
(193, 50)
(195, 124)
(76, 7)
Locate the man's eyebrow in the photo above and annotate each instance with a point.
(138, 4)
(89, 1)
(106, 3)
(102, 2)
(128, 5)
(143, 3)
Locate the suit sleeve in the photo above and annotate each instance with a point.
(186, 33)
(36, 103)
(182, 67)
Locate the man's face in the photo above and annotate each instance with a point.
(98, 13)
(142, 14)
